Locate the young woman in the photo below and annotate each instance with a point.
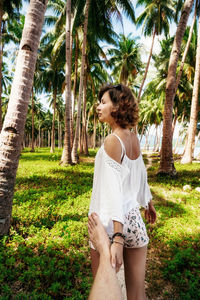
(120, 187)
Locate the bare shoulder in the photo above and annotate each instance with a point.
(112, 147)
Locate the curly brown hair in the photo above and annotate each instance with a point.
(126, 110)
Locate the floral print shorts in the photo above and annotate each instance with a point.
(134, 230)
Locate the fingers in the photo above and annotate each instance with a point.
(150, 215)
(153, 217)
(116, 256)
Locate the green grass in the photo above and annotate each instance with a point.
(46, 255)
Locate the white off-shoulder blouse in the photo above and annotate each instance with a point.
(118, 188)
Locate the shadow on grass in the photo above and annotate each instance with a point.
(173, 263)
(42, 154)
(79, 182)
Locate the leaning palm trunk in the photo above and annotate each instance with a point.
(13, 129)
(147, 67)
(1, 56)
(188, 155)
(76, 137)
(167, 163)
(66, 156)
(186, 50)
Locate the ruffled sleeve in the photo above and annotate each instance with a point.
(111, 195)
(144, 195)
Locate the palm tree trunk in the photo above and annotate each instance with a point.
(13, 129)
(179, 137)
(49, 138)
(53, 122)
(75, 75)
(155, 138)
(186, 49)
(189, 151)
(75, 144)
(174, 120)
(59, 133)
(94, 132)
(39, 137)
(66, 155)
(42, 139)
(32, 144)
(85, 143)
(167, 162)
(147, 67)
(1, 58)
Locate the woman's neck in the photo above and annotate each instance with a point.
(117, 128)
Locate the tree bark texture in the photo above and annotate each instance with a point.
(85, 142)
(53, 121)
(147, 67)
(32, 143)
(13, 129)
(167, 163)
(80, 96)
(66, 156)
(188, 155)
(186, 50)
(1, 62)
(75, 74)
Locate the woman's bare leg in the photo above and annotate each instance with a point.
(134, 266)
(105, 284)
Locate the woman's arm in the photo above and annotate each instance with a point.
(117, 247)
(113, 148)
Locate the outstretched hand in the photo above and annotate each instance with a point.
(150, 214)
(116, 251)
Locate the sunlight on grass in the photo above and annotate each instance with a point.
(46, 255)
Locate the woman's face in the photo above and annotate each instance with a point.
(105, 108)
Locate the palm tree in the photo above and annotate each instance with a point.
(13, 129)
(167, 163)
(188, 155)
(186, 47)
(66, 156)
(155, 19)
(76, 137)
(125, 58)
(51, 78)
(10, 8)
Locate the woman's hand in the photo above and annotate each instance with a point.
(116, 252)
(150, 214)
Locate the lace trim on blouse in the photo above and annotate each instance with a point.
(111, 162)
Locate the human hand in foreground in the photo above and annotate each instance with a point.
(116, 251)
(150, 213)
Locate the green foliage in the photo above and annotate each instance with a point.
(46, 255)
(182, 270)
(176, 232)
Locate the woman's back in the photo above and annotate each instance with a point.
(130, 142)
